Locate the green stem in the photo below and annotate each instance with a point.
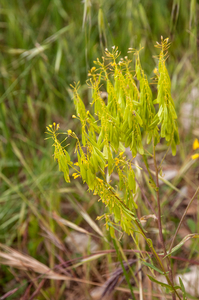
(149, 243)
(158, 203)
(160, 222)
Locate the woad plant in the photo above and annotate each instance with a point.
(127, 117)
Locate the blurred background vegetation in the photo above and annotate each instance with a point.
(46, 46)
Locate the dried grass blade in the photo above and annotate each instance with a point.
(21, 261)
(69, 224)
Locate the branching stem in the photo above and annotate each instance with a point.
(170, 281)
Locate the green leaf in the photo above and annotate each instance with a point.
(67, 155)
(105, 151)
(186, 238)
(160, 112)
(66, 174)
(115, 139)
(140, 147)
(163, 284)
(117, 213)
(152, 267)
(173, 112)
(131, 180)
(165, 114)
(154, 122)
(129, 117)
(83, 172)
(183, 289)
(94, 162)
(163, 130)
(90, 179)
(110, 162)
(112, 232)
(191, 224)
(128, 140)
(140, 122)
(111, 225)
(176, 137)
(173, 148)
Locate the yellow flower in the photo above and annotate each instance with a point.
(155, 71)
(195, 144)
(75, 175)
(69, 132)
(195, 156)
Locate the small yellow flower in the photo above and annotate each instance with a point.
(155, 71)
(117, 161)
(195, 156)
(195, 144)
(49, 128)
(69, 132)
(75, 175)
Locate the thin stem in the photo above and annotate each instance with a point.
(147, 201)
(170, 282)
(164, 158)
(158, 202)
(182, 219)
(160, 222)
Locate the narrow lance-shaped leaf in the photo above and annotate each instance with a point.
(186, 238)
(163, 284)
